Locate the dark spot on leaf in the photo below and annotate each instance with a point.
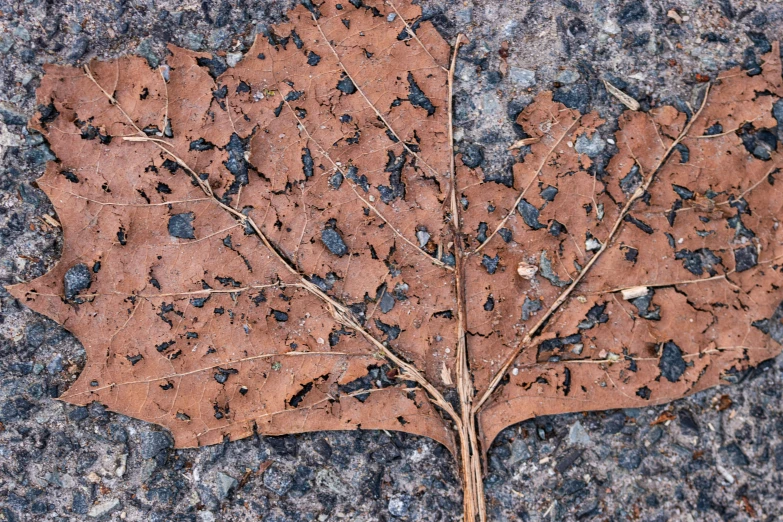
(171, 166)
(70, 176)
(181, 226)
(672, 365)
(220, 93)
(307, 163)
(549, 193)
(672, 214)
(631, 181)
(685, 153)
(133, 359)
(556, 228)
(162, 347)
(334, 242)
(473, 156)
(745, 258)
(641, 225)
(345, 85)
(336, 180)
(529, 307)
(352, 175)
(293, 96)
(642, 305)
(683, 192)
(300, 395)
(387, 303)
(545, 269)
(530, 214)
(199, 302)
(396, 188)
(490, 263)
(76, 279)
(481, 233)
(201, 145)
(699, 261)
(280, 317)
(712, 130)
(559, 342)
(391, 331)
(313, 59)
(228, 281)
(215, 65)
(222, 374)
(594, 317)
(326, 283)
(236, 163)
(417, 98)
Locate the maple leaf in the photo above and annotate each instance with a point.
(291, 245)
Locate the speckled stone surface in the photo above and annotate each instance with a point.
(720, 457)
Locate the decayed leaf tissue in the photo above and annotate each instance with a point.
(291, 245)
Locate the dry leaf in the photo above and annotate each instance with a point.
(626, 100)
(279, 247)
(634, 292)
(663, 418)
(723, 402)
(524, 142)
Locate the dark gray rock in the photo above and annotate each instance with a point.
(473, 156)
(576, 96)
(278, 479)
(11, 117)
(400, 505)
(735, 454)
(154, 442)
(225, 485)
(632, 11)
(78, 414)
(35, 334)
(630, 459)
(688, 421)
(78, 49)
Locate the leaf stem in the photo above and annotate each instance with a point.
(470, 456)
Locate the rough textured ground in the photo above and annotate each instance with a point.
(720, 457)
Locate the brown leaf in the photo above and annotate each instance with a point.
(747, 506)
(280, 246)
(663, 418)
(723, 402)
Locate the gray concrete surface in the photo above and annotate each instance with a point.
(58, 462)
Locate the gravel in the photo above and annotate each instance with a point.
(720, 458)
